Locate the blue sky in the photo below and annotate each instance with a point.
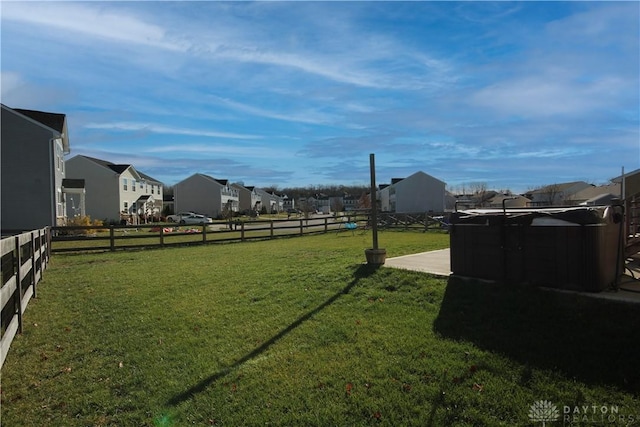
(511, 94)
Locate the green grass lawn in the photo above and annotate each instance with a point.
(298, 331)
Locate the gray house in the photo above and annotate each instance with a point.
(270, 202)
(206, 195)
(116, 192)
(556, 194)
(419, 192)
(248, 198)
(33, 147)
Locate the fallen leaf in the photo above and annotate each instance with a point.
(377, 415)
(349, 388)
(120, 364)
(478, 387)
(473, 368)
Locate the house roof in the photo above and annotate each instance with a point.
(54, 121)
(116, 168)
(397, 180)
(222, 182)
(594, 192)
(147, 177)
(144, 198)
(73, 183)
(119, 169)
(556, 187)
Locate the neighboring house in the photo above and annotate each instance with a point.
(269, 202)
(308, 204)
(323, 203)
(205, 195)
(288, 204)
(419, 192)
(555, 194)
(597, 195)
(248, 198)
(630, 183)
(350, 203)
(499, 201)
(117, 193)
(33, 147)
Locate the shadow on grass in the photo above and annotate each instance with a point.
(594, 340)
(361, 272)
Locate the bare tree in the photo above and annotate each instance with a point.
(479, 191)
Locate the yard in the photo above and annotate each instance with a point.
(297, 331)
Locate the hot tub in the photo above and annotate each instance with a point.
(576, 248)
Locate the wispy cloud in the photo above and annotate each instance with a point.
(304, 91)
(91, 20)
(161, 129)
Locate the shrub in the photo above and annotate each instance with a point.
(84, 221)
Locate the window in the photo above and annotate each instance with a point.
(124, 185)
(60, 204)
(126, 206)
(153, 189)
(133, 185)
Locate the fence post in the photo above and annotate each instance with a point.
(112, 239)
(204, 232)
(242, 231)
(301, 228)
(326, 224)
(161, 237)
(33, 263)
(18, 269)
(271, 230)
(49, 238)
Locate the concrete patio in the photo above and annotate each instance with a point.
(439, 263)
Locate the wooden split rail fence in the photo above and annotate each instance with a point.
(24, 257)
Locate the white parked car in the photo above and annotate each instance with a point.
(178, 217)
(195, 219)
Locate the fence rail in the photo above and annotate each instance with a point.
(24, 258)
(118, 237)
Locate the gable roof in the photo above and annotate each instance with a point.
(594, 192)
(556, 187)
(419, 173)
(116, 168)
(147, 177)
(119, 169)
(54, 121)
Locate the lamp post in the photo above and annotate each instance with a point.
(375, 256)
